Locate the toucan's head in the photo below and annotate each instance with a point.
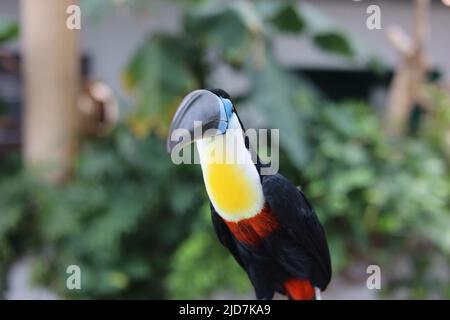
(205, 111)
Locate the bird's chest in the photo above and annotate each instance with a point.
(253, 230)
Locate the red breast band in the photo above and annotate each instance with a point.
(252, 230)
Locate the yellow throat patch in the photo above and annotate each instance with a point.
(230, 188)
(233, 187)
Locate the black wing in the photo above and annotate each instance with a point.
(298, 218)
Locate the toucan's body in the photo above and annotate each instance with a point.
(265, 222)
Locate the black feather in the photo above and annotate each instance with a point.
(300, 222)
(220, 92)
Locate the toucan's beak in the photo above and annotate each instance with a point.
(201, 114)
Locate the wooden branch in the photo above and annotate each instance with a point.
(400, 41)
(421, 24)
(410, 76)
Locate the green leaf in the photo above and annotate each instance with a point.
(289, 19)
(334, 42)
(226, 29)
(8, 30)
(324, 34)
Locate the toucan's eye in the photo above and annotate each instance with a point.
(228, 107)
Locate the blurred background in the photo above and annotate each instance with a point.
(364, 119)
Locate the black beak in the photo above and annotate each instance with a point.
(201, 114)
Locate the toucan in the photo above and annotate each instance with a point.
(265, 221)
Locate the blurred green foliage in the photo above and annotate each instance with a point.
(119, 218)
(9, 30)
(139, 227)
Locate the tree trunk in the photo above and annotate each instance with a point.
(51, 73)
